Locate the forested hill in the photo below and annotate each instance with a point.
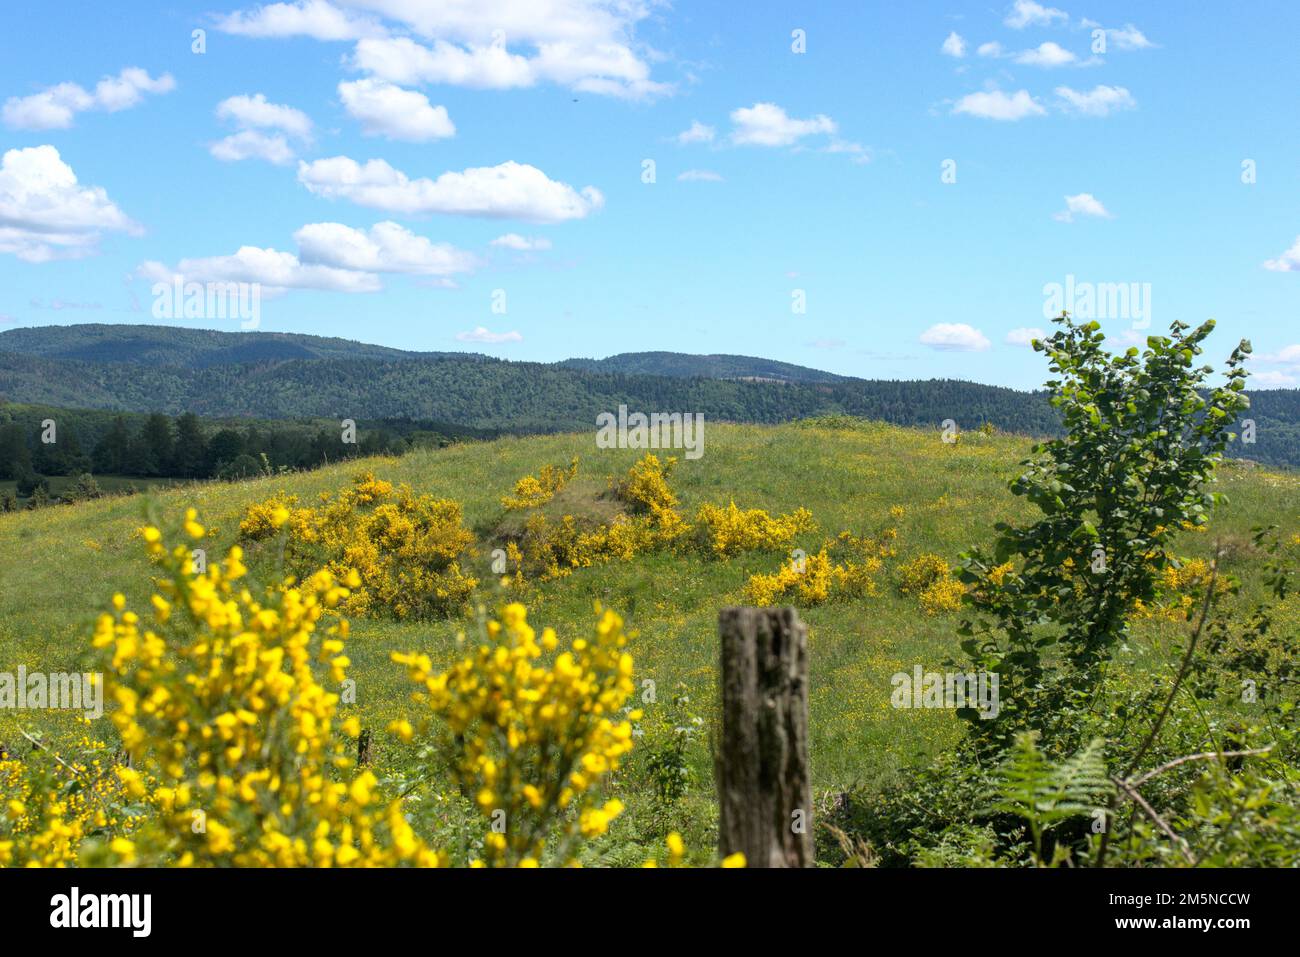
(510, 396)
(179, 346)
(682, 366)
(266, 375)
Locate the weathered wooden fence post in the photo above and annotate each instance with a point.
(764, 788)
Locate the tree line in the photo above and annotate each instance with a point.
(39, 443)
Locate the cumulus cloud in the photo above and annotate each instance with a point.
(766, 124)
(45, 214)
(306, 18)
(1128, 38)
(1289, 261)
(482, 334)
(997, 105)
(386, 247)
(1101, 100)
(522, 243)
(954, 45)
(1286, 361)
(251, 144)
(587, 45)
(255, 112)
(991, 49)
(508, 191)
(1027, 13)
(1047, 54)
(271, 269)
(1081, 204)
(265, 129)
(699, 176)
(697, 132)
(392, 112)
(954, 337)
(331, 257)
(1023, 336)
(55, 107)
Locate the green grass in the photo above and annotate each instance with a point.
(59, 566)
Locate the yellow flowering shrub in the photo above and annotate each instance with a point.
(532, 733)
(646, 486)
(729, 531)
(918, 574)
(534, 491)
(807, 581)
(929, 579)
(406, 548)
(1180, 586)
(51, 804)
(219, 702)
(552, 549)
(943, 595)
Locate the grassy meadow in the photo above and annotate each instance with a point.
(60, 565)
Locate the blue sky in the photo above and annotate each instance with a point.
(399, 171)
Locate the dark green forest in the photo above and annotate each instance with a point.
(38, 443)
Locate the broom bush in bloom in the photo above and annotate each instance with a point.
(221, 702)
(531, 732)
(534, 491)
(51, 806)
(729, 531)
(405, 548)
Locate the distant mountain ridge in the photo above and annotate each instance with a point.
(200, 348)
(285, 375)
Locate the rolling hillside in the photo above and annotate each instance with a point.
(943, 499)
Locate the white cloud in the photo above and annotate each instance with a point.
(1047, 54)
(273, 270)
(46, 214)
(954, 45)
(766, 124)
(522, 243)
(398, 114)
(255, 112)
(251, 144)
(1081, 204)
(697, 133)
(1023, 337)
(510, 190)
(387, 247)
(54, 108)
(1027, 13)
(331, 257)
(1274, 379)
(264, 130)
(305, 18)
(587, 45)
(954, 337)
(992, 48)
(996, 105)
(1289, 261)
(699, 176)
(1100, 101)
(855, 151)
(1128, 38)
(482, 334)
(402, 60)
